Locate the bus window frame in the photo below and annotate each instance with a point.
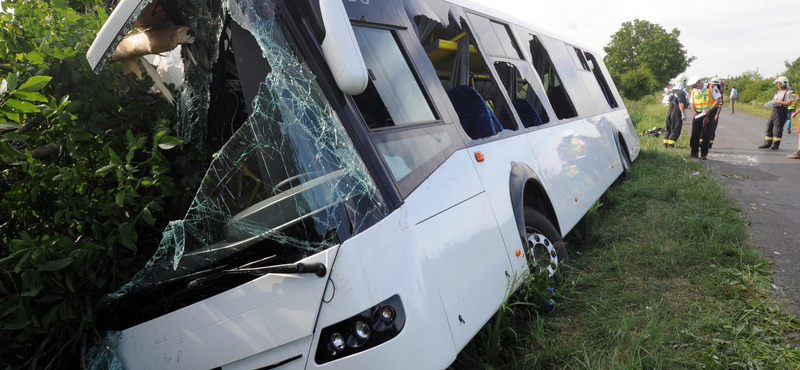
(536, 84)
(406, 185)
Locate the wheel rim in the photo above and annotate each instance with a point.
(541, 252)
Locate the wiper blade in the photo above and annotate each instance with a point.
(318, 269)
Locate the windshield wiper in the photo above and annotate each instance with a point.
(318, 269)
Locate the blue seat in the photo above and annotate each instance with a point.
(477, 119)
(527, 113)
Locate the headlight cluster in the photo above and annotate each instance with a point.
(371, 327)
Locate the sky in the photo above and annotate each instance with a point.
(727, 36)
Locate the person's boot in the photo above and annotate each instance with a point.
(775, 145)
(766, 145)
(789, 129)
(795, 155)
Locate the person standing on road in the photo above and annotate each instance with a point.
(676, 99)
(734, 97)
(782, 101)
(705, 101)
(791, 110)
(714, 121)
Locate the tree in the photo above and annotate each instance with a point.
(641, 44)
(637, 83)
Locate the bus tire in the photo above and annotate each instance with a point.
(544, 249)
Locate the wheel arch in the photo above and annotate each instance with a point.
(526, 189)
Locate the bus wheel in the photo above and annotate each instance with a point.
(625, 160)
(546, 252)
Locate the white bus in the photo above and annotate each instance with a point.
(390, 167)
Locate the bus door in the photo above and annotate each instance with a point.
(406, 111)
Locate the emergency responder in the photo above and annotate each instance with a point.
(796, 155)
(705, 102)
(782, 101)
(791, 110)
(713, 122)
(676, 114)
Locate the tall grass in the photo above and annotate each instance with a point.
(664, 277)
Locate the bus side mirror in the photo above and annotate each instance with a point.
(330, 23)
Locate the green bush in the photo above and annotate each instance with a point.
(86, 182)
(637, 83)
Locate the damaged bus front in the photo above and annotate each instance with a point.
(390, 171)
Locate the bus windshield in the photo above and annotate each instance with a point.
(288, 183)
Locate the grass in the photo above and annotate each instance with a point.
(664, 277)
(751, 108)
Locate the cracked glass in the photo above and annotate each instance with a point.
(288, 184)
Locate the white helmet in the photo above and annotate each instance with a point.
(681, 79)
(783, 80)
(693, 80)
(714, 80)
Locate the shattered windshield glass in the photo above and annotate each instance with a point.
(288, 182)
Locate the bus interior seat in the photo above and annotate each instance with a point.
(476, 118)
(527, 113)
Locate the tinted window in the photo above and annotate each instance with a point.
(394, 96)
(555, 90)
(523, 98)
(580, 61)
(495, 37)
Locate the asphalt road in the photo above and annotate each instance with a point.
(765, 182)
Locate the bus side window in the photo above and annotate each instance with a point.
(601, 80)
(523, 97)
(556, 92)
(481, 107)
(393, 96)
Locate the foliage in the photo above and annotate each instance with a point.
(641, 45)
(86, 182)
(637, 83)
(692, 295)
(757, 89)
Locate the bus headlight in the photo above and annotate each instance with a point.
(361, 330)
(372, 327)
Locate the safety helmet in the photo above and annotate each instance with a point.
(681, 79)
(693, 80)
(783, 80)
(714, 80)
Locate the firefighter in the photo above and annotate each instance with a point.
(676, 114)
(782, 101)
(705, 102)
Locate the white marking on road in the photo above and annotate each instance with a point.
(739, 160)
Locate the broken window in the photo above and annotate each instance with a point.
(529, 108)
(578, 58)
(481, 107)
(556, 92)
(601, 80)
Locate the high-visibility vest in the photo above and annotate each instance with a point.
(702, 100)
(794, 101)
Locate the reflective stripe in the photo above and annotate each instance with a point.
(666, 141)
(794, 101)
(776, 139)
(702, 100)
(701, 140)
(670, 141)
(712, 141)
(767, 137)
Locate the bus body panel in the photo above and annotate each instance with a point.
(382, 261)
(569, 170)
(257, 316)
(499, 157)
(603, 148)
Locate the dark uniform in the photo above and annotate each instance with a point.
(674, 116)
(774, 129)
(713, 125)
